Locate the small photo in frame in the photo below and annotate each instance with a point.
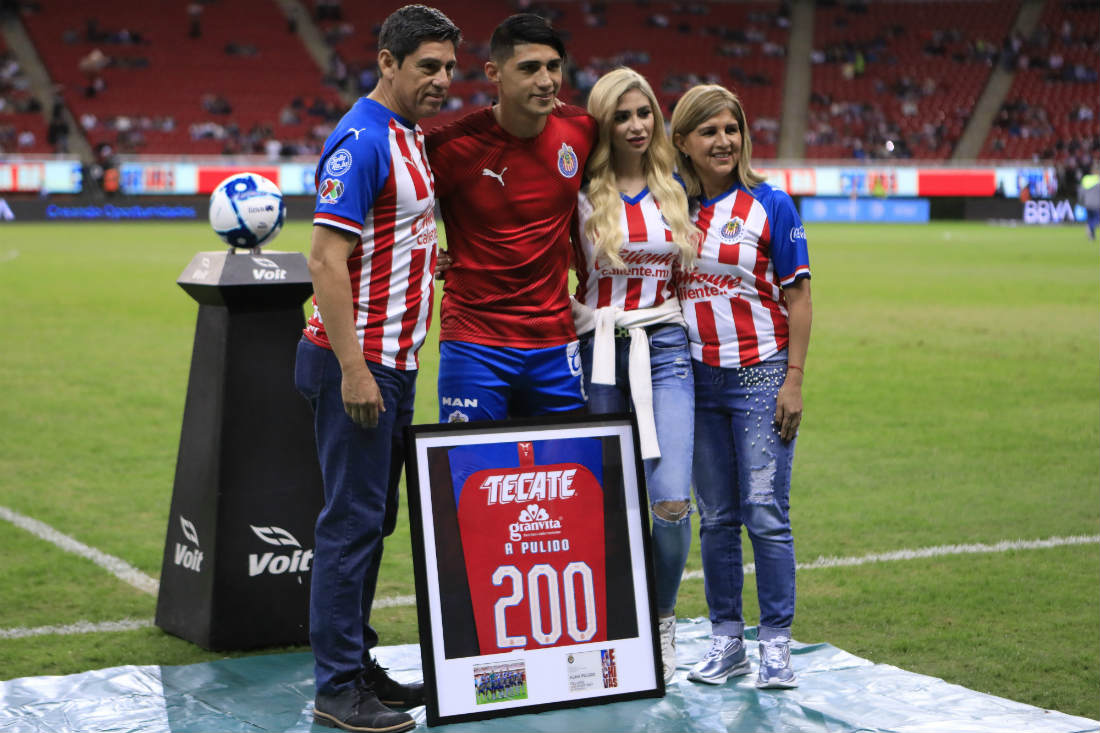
(534, 578)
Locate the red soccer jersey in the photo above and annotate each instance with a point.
(533, 538)
(507, 203)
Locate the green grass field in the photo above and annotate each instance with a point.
(952, 396)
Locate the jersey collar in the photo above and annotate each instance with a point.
(709, 202)
(389, 112)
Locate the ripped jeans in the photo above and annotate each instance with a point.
(668, 478)
(742, 472)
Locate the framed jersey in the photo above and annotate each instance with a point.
(533, 570)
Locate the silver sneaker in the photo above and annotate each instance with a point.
(775, 665)
(726, 658)
(666, 628)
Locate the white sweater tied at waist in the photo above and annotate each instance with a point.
(604, 321)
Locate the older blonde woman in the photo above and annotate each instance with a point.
(748, 312)
(634, 239)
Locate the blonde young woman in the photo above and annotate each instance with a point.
(634, 239)
(747, 306)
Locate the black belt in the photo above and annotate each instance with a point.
(621, 332)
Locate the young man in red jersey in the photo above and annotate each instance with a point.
(507, 179)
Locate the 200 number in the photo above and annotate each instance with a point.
(535, 603)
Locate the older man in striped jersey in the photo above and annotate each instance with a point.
(372, 253)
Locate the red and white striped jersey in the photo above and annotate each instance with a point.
(373, 180)
(650, 257)
(753, 245)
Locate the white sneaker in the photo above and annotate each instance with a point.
(667, 629)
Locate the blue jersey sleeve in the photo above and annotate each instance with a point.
(350, 175)
(788, 245)
(466, 460)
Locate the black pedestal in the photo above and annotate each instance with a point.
(248, 489)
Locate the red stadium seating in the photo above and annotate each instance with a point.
(622, 32)
(1042, 116)
(922, 66)
(180, 69)
(922, 73)
(12, 122)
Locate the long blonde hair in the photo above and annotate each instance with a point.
(658, 163)
(698, 105)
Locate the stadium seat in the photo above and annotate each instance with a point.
(620, 35)
(904, 64)
(905, 72)
(1042, 110)
(156, 70)
(23, 133)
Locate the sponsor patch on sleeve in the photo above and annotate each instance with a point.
(330, 190)
(338, 163)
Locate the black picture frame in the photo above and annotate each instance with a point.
(531, 554)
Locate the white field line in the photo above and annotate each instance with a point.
(135, 577)
(119, 568)
(80, 627)
(394, 602)
(925, 552)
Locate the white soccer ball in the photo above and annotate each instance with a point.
(247, 210)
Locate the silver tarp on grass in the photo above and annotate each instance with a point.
(274, 692)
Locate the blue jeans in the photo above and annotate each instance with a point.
(668, 478)
(743, 477)
(361, 469)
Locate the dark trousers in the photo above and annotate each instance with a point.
(361, 468)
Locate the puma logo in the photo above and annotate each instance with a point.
(491, 174)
